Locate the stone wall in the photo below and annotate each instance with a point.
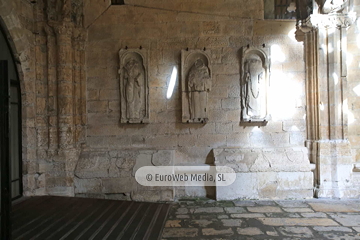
(164, 33)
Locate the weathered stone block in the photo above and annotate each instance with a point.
(117, 185)
(87, 185)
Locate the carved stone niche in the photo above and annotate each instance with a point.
(196, 83)
(134, 86)
(254, 82)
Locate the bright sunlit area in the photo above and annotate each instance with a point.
(283, 87)
(277, 54)
(172, 83)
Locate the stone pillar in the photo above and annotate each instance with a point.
(326, 89)
(65, 85)
(52, 91)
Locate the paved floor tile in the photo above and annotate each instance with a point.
(298, 222)
(347, 220)
(332, 229)
(180, 232)
(247, 215)
(302, 232)
(332, 207)
(212, 232)
(264, 209)
(298, 210)
(285, 220)
(251, 231)
(231, 222)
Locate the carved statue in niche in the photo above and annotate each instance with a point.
(133, 87)
(199, 84)
(254, 81)
(134, 84)
(196, 84)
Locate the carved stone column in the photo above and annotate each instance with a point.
(326, 91)
(65, 85)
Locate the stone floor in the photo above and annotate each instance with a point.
(311, 219)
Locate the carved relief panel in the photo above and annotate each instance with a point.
(254, 85)
(196, 82)
(134, 87)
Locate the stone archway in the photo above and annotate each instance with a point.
(21, 41)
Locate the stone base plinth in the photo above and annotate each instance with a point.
(335, 170)
(110, 174)
(277, 173)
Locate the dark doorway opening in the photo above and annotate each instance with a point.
(10, 134)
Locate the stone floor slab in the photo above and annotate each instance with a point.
(244, 203)
(298, 210)
(235, 210)
(292, 204)
(231, 222)
(247, 215)
(215, 232)
(250, 231)
(332, 207)
(314, 215)
(332, 229)
(208, 210)
(180, 232)
(302, 232)
(264, 209)
(298, 222)
(347, 220)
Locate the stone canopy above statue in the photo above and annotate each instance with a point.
(196, 83)
(134, 87)
(254, 83)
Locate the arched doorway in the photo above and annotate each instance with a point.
(10, 131)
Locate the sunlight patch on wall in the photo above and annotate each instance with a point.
(357, 90)
(283, 87)
(351, 117)
(336, 78)
(291, 35)
(277, 54)
(172, 83)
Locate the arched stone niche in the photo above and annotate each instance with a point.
(134, 86)
(196, 83)
(254, 82)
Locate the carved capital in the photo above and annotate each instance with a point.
(327, 21)
(79, 34)
(332, 20)
(63, 29)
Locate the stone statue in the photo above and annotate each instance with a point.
(199, 84)
(253, 88)
(134, 88)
